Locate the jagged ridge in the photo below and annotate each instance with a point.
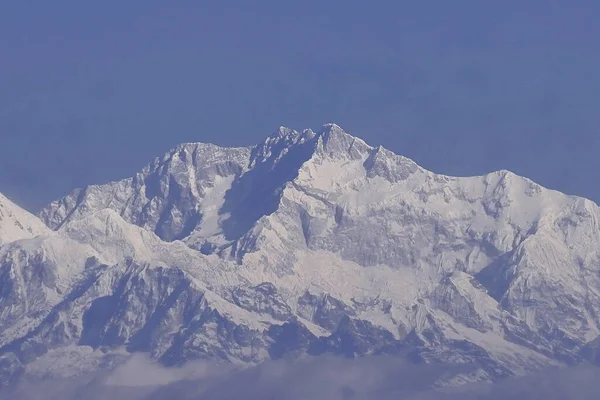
(309, 242)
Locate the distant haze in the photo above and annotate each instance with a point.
(323, 378)
(92, 91)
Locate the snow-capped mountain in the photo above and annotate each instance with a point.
(308, 243)
(16, 223)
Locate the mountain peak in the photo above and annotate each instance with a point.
(211, 196)
(279, 143)
(285, 136)
(222, 252)
(336, 143)
(16, 223)
(331, 130)
(331, 127)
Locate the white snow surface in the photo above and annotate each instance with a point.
(16, 223)
(208, 248)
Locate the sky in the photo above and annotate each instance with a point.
(92, 91)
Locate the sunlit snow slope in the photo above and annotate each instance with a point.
(308, 243)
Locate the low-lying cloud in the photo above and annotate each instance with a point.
(326, 378)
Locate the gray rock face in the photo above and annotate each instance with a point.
(171, 196)
(308, 243)
(324, 310)
(262, 299)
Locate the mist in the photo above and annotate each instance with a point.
(327, 378)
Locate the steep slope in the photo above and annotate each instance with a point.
(29, 281)
(170, 196)
(16, 223)
(332, 192)
(535, 251)
(37, 269)
(311, 243)
(178, 304)
(204, 194)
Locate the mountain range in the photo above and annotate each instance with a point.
(309, 243)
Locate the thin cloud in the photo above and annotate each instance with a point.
(326, 378)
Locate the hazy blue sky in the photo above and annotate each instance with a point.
(91, 91)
